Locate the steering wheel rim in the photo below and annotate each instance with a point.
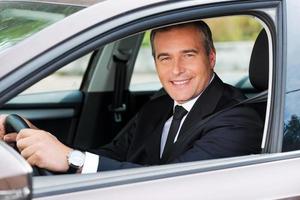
(15, 123)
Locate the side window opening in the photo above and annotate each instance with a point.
(68, 77)
(233, 37)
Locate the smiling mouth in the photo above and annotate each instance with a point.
(180, 82)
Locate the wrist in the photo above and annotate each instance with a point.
(75, 160)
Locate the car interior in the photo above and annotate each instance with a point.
(91, 116)
(259, 71)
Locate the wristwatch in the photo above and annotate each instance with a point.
(75, 160)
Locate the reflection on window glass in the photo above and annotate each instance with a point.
(19, 20)
(291, 137)
(233, 37)
(67, 78)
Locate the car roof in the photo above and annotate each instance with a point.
(83, 19)
(84, 3)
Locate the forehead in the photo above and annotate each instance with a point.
(178, 35)
(191, 29)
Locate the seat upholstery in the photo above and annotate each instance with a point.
(259, 62)
(259, 70)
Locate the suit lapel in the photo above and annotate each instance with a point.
(152, 143)
(204, 106)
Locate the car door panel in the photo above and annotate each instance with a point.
(211, 179)
(97, 125)
(56, 112)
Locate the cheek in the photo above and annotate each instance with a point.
(162, 72)
(201, 66)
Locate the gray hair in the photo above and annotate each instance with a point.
(202, 27)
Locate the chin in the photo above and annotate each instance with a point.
(179, 95)
(181, 99)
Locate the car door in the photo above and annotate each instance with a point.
(15, 177)
(208, 179)
(54, 109)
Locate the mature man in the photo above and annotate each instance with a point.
(164, 129)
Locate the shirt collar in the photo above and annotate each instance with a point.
(189, 104)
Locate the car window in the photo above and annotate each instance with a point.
(67, 78)
(291, 135)
(233, 36)
(19, 20)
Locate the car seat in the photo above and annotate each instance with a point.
(259, 71)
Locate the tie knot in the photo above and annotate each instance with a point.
(180, 112)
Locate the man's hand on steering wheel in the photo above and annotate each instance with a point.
(43, 150)
(38, 147)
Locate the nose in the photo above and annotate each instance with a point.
(178, 66)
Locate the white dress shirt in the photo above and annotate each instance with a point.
(187, 106)
(91, 161)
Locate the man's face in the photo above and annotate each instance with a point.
(183, 66)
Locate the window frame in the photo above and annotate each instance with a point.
(244, 81)
(218, 165)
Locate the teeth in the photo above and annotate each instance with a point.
(180, 82)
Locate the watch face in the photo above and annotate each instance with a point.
(76, 158)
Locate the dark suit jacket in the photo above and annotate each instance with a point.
(235, 132)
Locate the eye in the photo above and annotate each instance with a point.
(189, 55)
(164, 58)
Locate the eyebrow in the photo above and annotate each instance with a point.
(183, 51)
(190, 51)
(161, 55)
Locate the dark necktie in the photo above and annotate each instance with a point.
(179, 113)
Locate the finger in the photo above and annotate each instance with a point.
(28, 137)
(25, 142)
(29, 151)
(32, 160)
(2, 128)
(36, 160)
(24, 133)
(10, 137)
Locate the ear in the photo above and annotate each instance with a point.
(212, 58)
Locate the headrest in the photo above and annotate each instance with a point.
(259, 62)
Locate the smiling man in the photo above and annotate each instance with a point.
(164, 129)
(184, 65)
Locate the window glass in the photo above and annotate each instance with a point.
(19, 20)
(144, 77)
(291, 138)
(67, 78)
(233, 37)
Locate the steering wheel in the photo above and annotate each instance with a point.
(14, 123)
